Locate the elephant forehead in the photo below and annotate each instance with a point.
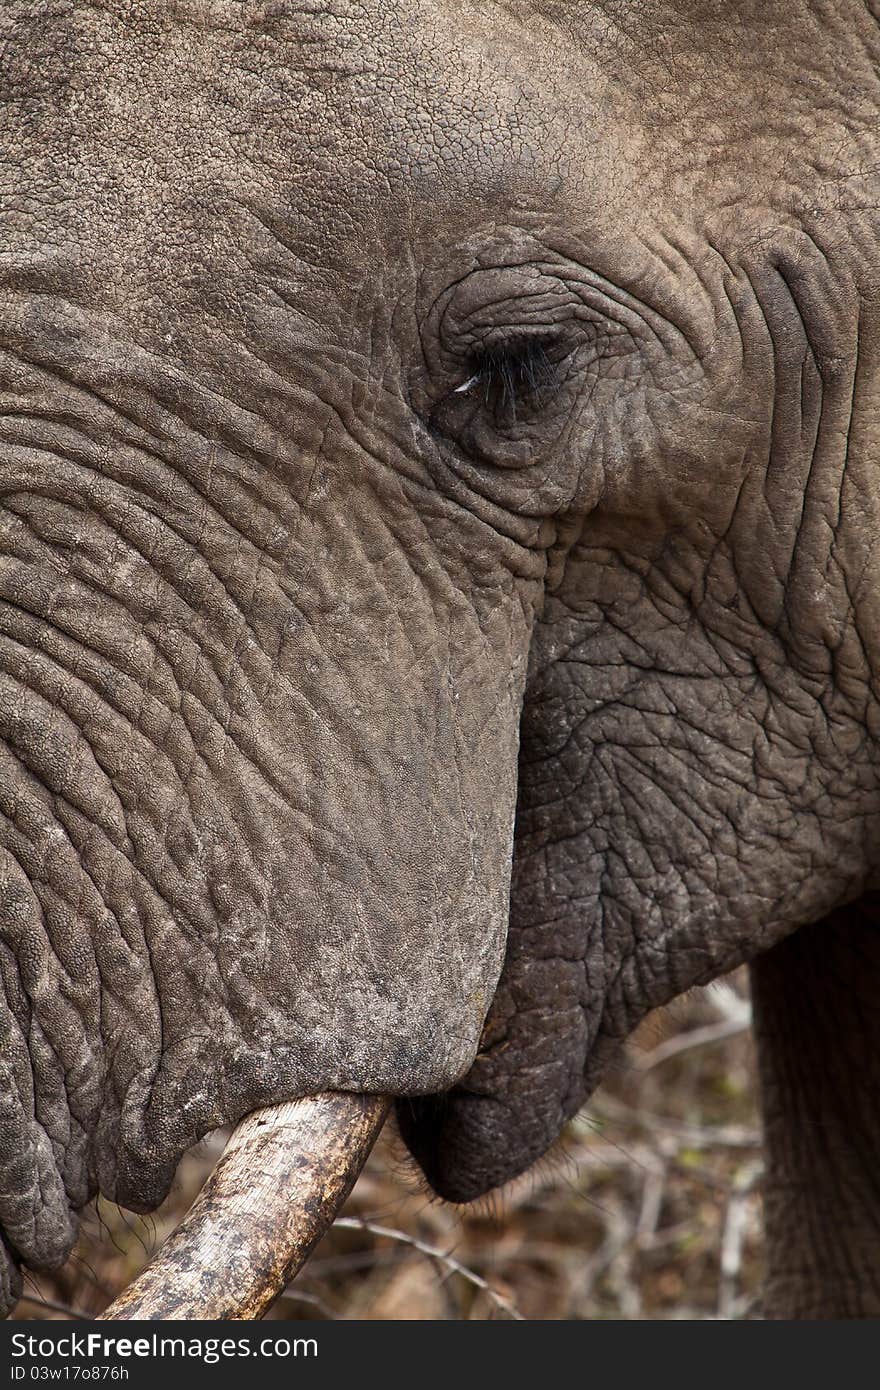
(142, 127)
(138, 117)
(137, 130)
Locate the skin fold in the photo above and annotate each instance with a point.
(439, 580)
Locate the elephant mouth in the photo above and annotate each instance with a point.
(465, 1143)
(289, 1168)
(489, 1129)
(551, 1033)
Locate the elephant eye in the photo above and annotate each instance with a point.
(510, 394)
(510, 380)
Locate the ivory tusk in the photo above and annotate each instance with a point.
(279, 1184)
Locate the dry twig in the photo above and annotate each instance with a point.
(431, 1252)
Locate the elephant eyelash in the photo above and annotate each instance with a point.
(511, 374)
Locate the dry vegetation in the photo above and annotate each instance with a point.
(649, 1208)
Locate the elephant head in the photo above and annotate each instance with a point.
(439, 581)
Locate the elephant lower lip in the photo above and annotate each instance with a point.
(468, 1144)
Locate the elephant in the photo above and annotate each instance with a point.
(439, 581)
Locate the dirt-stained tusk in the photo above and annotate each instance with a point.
(282, 1178)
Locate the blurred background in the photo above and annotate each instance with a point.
(649, 1207)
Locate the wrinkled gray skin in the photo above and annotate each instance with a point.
(291, 626)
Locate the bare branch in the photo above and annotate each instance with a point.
(432, 1252)
(686, 1042)
(74, 1313)
(284, 1175)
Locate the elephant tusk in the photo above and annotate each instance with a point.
(281, 1180)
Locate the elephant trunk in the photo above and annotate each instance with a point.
(283, 1177)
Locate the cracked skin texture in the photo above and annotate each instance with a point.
(362, 732)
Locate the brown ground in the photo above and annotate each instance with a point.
(648, 1208)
